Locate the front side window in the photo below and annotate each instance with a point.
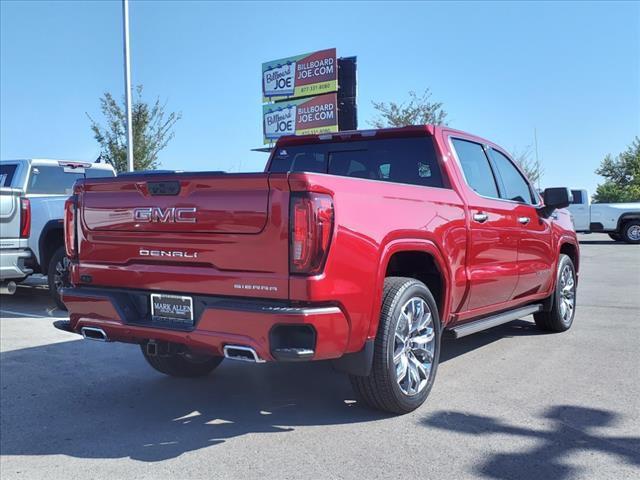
(516, 188)
(476, 167)
(577, 196)
(53, 180)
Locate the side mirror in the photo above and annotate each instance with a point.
(554, 198)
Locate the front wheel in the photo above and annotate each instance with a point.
(560, 317)
(182, 364)
(58, 276)
(406, 351)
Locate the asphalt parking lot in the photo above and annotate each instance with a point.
(508, 403)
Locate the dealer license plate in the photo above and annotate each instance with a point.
(172, 310)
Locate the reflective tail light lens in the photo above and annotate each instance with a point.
(311, 227)
(70, 237)
(25, 218)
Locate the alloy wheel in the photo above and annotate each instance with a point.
(61, 275)
(567, 293)
(414, 346)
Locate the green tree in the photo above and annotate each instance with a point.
(419, 110)
(527, 164)
(622, 176)
(152, 131)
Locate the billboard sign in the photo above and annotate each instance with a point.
(300, 76)
(303, 116)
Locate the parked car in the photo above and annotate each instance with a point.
(620, 220)
(362, 247)
(33, 196)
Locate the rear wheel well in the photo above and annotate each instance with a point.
(51, 240)
(627, 217)
(421, 266)
(572, 252)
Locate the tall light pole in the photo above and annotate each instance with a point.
(127, 82)
(535, 139)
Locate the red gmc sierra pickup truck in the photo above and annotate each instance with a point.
(362, 247)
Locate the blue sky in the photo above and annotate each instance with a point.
(570, 70)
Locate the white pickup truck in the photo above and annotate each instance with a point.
(32, 196)
(620, 220)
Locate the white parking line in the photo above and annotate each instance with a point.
(23, 314)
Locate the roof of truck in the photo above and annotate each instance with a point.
(352, 135)
(57, 162)
(414, 130)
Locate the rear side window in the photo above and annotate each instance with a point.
(6, 174)
(53, 180)
(577, 196)
(515, 187)
(476, 168)
(401, 160)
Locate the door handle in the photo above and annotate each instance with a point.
(524, 220)
(480, 217)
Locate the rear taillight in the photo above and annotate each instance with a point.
(310, 230)
(70, 234)
(25, 218)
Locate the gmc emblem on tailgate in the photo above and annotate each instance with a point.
(167, 215)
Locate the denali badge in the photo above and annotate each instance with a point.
(168, 215)
(167, 253)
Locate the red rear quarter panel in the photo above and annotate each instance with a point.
(373, 220)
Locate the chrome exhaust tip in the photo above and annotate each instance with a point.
(242, 353)
(94, 333)
(8, 288)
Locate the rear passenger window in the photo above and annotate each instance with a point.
(476, 168)
(7, 172)
(515, 186)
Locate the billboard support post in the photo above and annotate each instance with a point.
(347, 94)
(127, 83)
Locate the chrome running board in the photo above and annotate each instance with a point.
(494, 320)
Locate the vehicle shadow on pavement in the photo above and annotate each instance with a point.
(95, 400)
(601, 242)
(101, 400)
(573, 429)
(452, 348)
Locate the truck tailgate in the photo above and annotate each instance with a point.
(217, 234)
(10, 217)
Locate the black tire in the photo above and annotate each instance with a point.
(615, 237)
(182, 364)
(58, 276)
(631, 232)
(556, 320)
(380, 389)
